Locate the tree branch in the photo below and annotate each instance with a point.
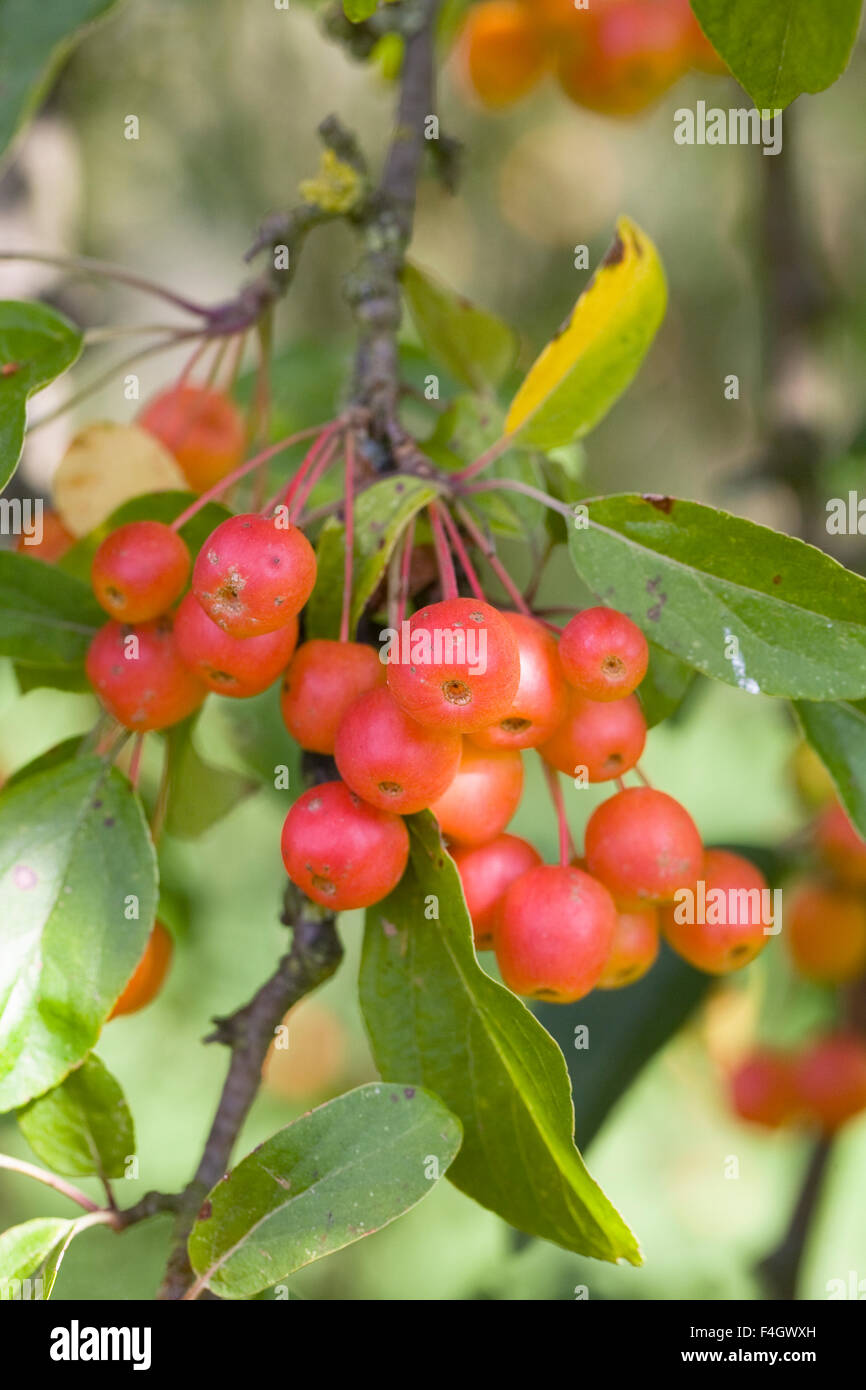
(314, 956)
(780, 1270)
(374, 288)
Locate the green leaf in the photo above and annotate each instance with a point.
(359, 10)
(479, 348)
(434, 1017)
(83, 1126)
(381, 513)
(59, 753)
(753, 608)
(33, 1251)
(778, 49)
(34, 41)
(597, 353)
(624, 1029)
(199, 794)
(665, 685)
(151, 506)
(36, 343)
(47, 618)
(75, 858)
(837, 732)
(337, 1174)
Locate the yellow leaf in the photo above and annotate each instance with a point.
(597, 352)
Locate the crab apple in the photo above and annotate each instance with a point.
(605, 738)
(231, 665)
(341, 851)
(830, 1079)
(323, 679)
(486, 871)
(483, 797)
(632, 52)
(202, 428)
(643, 845)
(603, 653)
(826, 933)
(729, 923)
(53, 542)
(762, 1089)
(841, 846)
(252, 575)
(554, 932)
(138, 675)
(539, 703)
(635, 948)
(558, 19)
(389, 759)
(504, 51)
(139, 571)
(458, 666)
(146, 979)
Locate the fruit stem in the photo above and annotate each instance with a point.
(405, 573)
(105, 377)
(642, 775)
(135, 761)
(489, 456)
(81, 265)
(240, 472)
(460, 551)
(348, 537)
(514, 485)
(314, 473)
(566, 844)
(488, 550)
(447, 575)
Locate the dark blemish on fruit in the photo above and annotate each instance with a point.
(390, 788)
(457, 692)
(661, 504)
(324, 885)
(275, 561)
(616, 252)
(514, 725)
(474, 618)
(547, 994)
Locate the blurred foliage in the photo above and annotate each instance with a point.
(228, 97)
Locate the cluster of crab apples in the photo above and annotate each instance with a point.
(823, 1083)
(437, 720)
(612, 56)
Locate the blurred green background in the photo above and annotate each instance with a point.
(228, 94)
